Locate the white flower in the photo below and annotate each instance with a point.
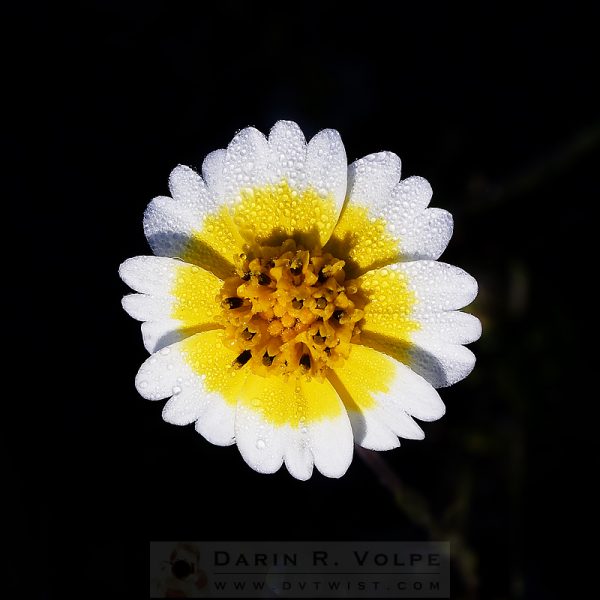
(296, 304)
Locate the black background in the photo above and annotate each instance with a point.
(495, 106)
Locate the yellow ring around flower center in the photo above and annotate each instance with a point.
(289, 311)
(268, 223)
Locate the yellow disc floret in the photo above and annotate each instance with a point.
(290, 311)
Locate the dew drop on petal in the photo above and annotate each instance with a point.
(260, 444)
(176, 390)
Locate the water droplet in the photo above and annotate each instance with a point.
(165, 351)
(143, 384)
(176, 390)
(260, 444)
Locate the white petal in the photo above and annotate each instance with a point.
(381, 394)
(212, 172)
(409, 198)
(385, 220)
(168, 374)
(170, 222)
(190, 225)
(326, 166)
(247, 163)
(260, 443)
(183, 408)
(332, 445)
(188, 188)
(410, 317)
(440, 363)
(298, 456)
(371, 431)
(413, 394)
(371, 179)
(152, 275)
(288, 153)
(293, 419)
(427, 235)
(400, 422)
(422, 233)
(438, 286)
(169, 226)
(453, 327)
(217, 423)
(158, 334)
(173, 310)
(147, 308)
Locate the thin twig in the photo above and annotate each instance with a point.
(415, 507)
(486, 195)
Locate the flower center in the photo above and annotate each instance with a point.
(290, 311)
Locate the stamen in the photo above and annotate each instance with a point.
(264, 279)
(233, 302)
(296, 266)
(247, 335)
(242, 359)
(296, 313)
(305, 361)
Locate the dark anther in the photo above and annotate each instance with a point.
(267, 360)
(305, 361)
(328, 351)
(297, 304)
(182, 568)
(270, 264)
(243, 358)
(322, 277)
(247, 335)
(246, 276)
(337, 314)
(321, 303)
(296, 267)
(264, 279)
(233, 302)
(318, 339)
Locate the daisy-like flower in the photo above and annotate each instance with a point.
(295, 305)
